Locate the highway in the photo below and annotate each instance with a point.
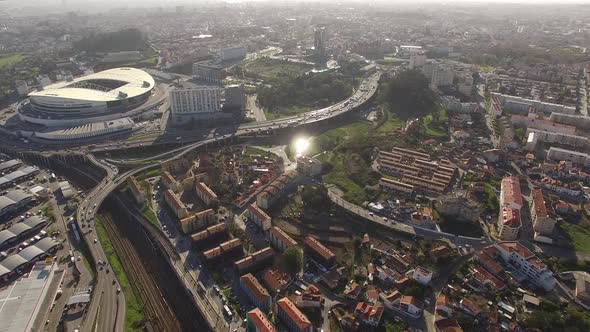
(106, 310)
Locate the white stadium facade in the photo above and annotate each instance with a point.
(103, 96)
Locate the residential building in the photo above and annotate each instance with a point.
(542, 213)
(391, 300)
(274, 190)
(486, 279)
(223, 250)
(135, 190)
(197, 221)
(582, 291)
(389, 185)
(276, 280)
(255, 262)
(559, 154)
(422, 275)
(210, 234)
(205, 193)
(542, 124)
(511, 103)
(310, 298)
(411, 305)
(470, 307)
(309, 166)
(510, 193)
(319, 252)
(458, 205)
(235, 98)
(208, 72)
(294, 319)
(168, 181)
(447, 325)
(232, 53)
(178, 207)
(527, 263)
(353, 291)
(508, 223)
(369, 314)
(198, 101)
(280, 240)
(535, 136)
(257, 322)
(319, 41)
(257, 294)
(259, 217)
(444, 306)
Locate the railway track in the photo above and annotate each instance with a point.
(157, 310)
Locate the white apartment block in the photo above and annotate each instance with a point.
(527, 263)
(198, 99)
(575, 157)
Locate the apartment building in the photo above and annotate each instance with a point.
(135, 190)
(422, 275)
(542, 124)
(319, 252)
(178, 207)
(536, 136)
(274, 190)
(292, 317)
(510, 194)
(575, 157)
(233, 246)
(257, 294)
(542, 213)
(205, 194)
(527, 263)
(197, 221)
(259, 217)
(255, 262)
(508, 223)
(168, 181)
(209, 234)
(389, 185)
(257, 322)
(411, 305)
(280, 240)
(308, 166)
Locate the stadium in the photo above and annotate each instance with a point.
(102, 96)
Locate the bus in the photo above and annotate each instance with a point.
(201, 288)
(227, 310)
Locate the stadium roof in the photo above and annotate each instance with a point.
(133, 82)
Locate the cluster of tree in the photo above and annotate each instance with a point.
(550, 316)
(123, 40)
(311, 90)
(292, 260)
(407, 94)
(316, 198)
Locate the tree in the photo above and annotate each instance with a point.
(408, 95)
(315, 198)
(293, 260)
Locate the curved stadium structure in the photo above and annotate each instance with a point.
(101, 96)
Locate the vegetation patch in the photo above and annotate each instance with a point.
(10, 60)
(135, 316)
(578, 236)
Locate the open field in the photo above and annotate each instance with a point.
(9, 60)
(273, 70)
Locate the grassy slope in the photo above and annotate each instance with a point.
(135, 315)
(9, 60)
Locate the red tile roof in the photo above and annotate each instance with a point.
(511, 190)
(319, 248)
(510, 217)
(134, 185)
(294, 314)
(202, 187)
(258, 212)
(276, 279)
(283, 237)
(173, 199)
(260, 321)
(259, 292)
(483, 277)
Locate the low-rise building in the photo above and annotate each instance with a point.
(310, 298)
(390, 185)
(508, 223)
(527, 263)
(206, 194)
(257, 294)
(292, 317)
(280, 240)
(255, 262)
(542, 214)
(257, 322)
(209, 234)
(228, 248)
(274, 190)
(197, 221)
(369, 314)
(319, 252)
(276, 280)
(135, 190)
(174, 203)
(458, 206)
(309, 166)
(470, 307)
(411, 306)
(168, 181)
(259, 217)
(444, 306)
(422, 275)
(391, 300)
